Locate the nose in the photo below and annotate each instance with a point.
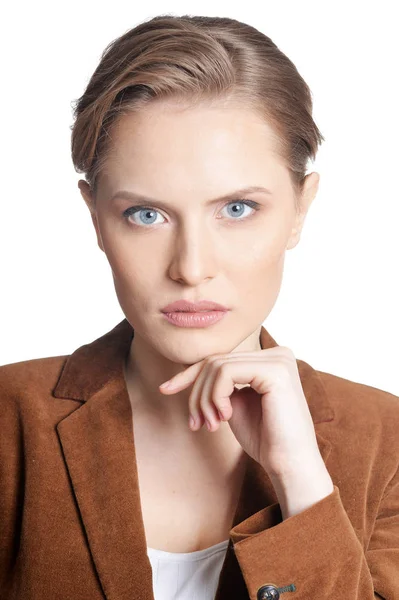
(194, 253)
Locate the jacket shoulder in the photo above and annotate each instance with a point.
(363, 412)
(360, 394)
(36, 377)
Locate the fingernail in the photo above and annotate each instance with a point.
(221, 417)
(165, 385)
(192, 421)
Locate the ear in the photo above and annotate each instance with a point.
(309, 191)
(89, 199)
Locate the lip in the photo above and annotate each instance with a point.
(193, 307)
(195, 319)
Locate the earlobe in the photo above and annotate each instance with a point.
(294, 238)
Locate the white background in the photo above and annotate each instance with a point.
(339, 301)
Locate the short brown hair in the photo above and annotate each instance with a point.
(195, 59)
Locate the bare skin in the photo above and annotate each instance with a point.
(189, 484)
(193, 250)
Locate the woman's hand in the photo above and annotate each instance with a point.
(270, 419)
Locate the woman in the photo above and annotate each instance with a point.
(194, 135)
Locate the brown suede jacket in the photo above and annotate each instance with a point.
(71, 525)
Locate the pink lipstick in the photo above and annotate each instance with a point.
(200, 314)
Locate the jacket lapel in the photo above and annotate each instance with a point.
(98, 448)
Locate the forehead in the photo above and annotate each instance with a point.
(201, 143)
(193, 130)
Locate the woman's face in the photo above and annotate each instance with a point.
(187, 246)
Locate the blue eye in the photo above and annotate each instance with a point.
(149, 212)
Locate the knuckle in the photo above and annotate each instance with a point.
(224, 366)
(286, 352)
(225, 410)
(281, 373)
(218, 363)
(212, 358)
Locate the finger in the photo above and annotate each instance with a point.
(203, 403)
(238, 372)
(214, 413)
(194, 401)
(181, 380)
(199, 405)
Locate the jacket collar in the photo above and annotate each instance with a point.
(97, 440)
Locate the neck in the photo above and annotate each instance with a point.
(145, 369)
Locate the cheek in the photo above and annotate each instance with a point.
(124, 253)
(135, 285)
(264, 253)
(136, 271)
(135, 276)
(258, 271)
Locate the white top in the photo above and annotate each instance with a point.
(187, 575)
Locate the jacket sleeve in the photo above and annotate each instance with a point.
(316, 553)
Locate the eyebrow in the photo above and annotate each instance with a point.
(236, 195)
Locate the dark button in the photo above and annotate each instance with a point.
(268, 592)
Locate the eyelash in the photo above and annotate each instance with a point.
(134, 209)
